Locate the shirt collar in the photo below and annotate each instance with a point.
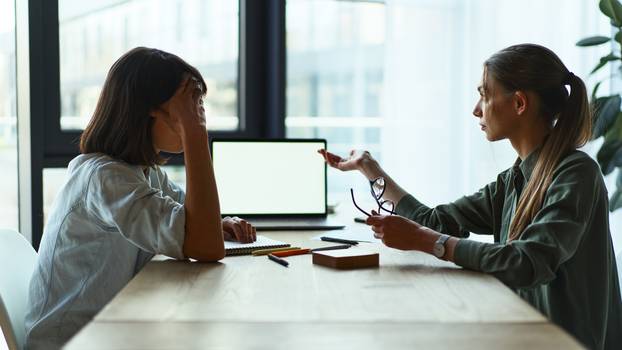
(526, 166)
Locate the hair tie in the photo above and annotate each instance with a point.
(568, 78)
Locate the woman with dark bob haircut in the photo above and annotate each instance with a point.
(548, 213)
(118, 208)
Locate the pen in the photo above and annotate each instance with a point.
(272, 250)
(338, 240)
(332, 247)
(278, 260)
(291, 252)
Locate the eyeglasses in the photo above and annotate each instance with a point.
(377, 191)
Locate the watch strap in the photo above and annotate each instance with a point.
(442, 239)
(440, 243)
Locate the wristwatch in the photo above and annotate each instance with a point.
(439, 246)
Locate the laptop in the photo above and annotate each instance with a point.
(277, 184)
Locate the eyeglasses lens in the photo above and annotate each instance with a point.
(378, 188)
(388, 206)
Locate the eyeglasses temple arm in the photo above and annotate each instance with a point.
(356, 205)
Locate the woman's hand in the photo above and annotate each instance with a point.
(236, 229)
(355, 161)
(368, 166)
(400, 233)
(184, 111)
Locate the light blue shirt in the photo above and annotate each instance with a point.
(107, 222)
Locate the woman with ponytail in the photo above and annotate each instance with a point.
(548, 213)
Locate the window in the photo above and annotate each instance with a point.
(335, 62)
(77, 42)
(8, 118)
(94, 34)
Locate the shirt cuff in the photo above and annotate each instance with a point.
(407, 206)
(172, 232)
(468, 254)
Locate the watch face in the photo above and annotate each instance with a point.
(439, 249)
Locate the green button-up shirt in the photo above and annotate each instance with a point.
(563, 263)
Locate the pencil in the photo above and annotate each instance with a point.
(291, 252)
(271, 250)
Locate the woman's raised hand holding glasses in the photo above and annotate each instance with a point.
(365, 163)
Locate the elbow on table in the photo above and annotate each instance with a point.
(204, 243)
(203, 255)
(526, 275)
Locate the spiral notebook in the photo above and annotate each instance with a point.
(262, 242)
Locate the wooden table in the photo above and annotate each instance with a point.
(413, 300)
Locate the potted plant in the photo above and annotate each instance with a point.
(607, 121)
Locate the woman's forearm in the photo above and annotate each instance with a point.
(427, 239)
(204, 238)
(372, 170)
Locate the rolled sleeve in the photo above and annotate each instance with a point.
(144, 215)
(437, 218)
(408, 206)
(476, 213)
(510, 263)
(468, 254)
(170, 188)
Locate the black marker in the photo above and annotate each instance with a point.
(333, 247)
(278, 260)
(360, 220)
(338, 240)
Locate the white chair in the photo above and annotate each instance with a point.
(17, 262)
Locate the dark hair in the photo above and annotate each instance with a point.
(137, 83)
(535, 68)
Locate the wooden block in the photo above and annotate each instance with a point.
(352, 258)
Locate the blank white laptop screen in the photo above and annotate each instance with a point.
(270, 177)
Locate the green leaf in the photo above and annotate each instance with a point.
(615, 202)
(603, 61)
(606, 109)
(609, 154)
(595, 90)
(593, 41)
(619, 180)
(613, 10)
(618, 37)
(615, 131)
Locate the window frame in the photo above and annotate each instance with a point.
(261, 92)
